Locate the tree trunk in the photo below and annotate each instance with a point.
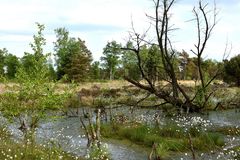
(111, 74)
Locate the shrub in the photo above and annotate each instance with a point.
(232, 70)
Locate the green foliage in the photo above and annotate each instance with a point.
(199, 100)
(98, 153)
(208, 141)
(110, 58)
(153, 63)
(72, 56)
(8, 64)
(52, 73)
(137, 134)
(62, 50)
(211, 67)
(34, 64)
(95, 71)
(78, 68)
(192, 70)
(27, 62)
(183, 61)
(38, 42)
(129, 62)
(162, 151)
(171, 130)
(12, 63)
(3, 53)
(232, 70)
(30, 99)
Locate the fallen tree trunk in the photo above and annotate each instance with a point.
(187, 106)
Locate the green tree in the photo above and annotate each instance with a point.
(232, 70)
(32, 61)
(52, 72)
(210, 67)
(153, 65)
(27, 61)
(110, 59)
(95, 70)
(78, 68)
(129, 62)
(191, 69)
(38, 42)
(73, 58)
(183, 58)
(3, 53)
(33, 95)
(11, 63)
(62, 50)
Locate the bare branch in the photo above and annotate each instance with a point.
(167, 53)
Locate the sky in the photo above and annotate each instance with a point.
(101, 21)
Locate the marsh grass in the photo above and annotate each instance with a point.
(228, 130)
(168, 138)
(208, 141)
(120, 92)
(98, 153)
(12, 149)
(237, 151)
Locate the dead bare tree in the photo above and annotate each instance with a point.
(92, 132)
(174, 95)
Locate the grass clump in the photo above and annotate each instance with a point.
(171, 130)
(208, 141)
(98, 153)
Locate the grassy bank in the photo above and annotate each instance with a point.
(168, 138)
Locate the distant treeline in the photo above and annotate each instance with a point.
(73, 62)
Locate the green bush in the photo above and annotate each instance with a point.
(232, 70)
